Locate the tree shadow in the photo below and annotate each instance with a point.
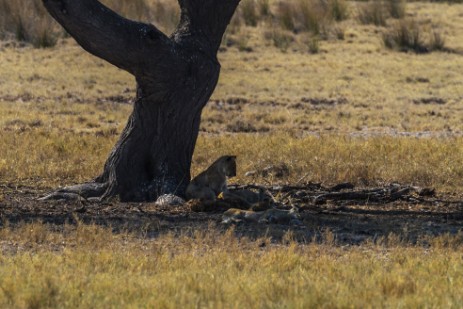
(335, 223)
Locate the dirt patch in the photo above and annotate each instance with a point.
(239, 126)
(352, 215)
(317, 103)
(431, 100)
(116, 99)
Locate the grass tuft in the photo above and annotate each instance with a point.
(264, 8)
(372, 12)
(280, 38)
(250, 12)
(31, 23)
(408, 35)
(28, 23)
(313, 44)
(300, 15)
(310, 16)
(397, 8)
(437, 40)
(286, 15)
(339, 9)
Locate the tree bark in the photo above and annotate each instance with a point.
(175, 78)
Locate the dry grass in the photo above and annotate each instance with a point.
(352, 112)
(46, 157)
(397, 8)
(250, 12)
(409, 35)
(310, 16)
(89, 266)
(309, 21)
(339, 10)
(58, 128)
(378, 11)
(330, 160)
(280, 38)
(373, 12)
(31, 23)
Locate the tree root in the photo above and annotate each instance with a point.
(295, 196)
(98, 191)
(90, 191)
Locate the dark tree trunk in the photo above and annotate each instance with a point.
(175, 77)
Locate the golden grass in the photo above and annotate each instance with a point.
(330, 117)
(89, 266)
(32, 23)
(383, 89)
(29, 23)
(407, 35)
(332, 159)
(48, 157)
(60, 127)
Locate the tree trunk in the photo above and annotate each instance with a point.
(175, 77)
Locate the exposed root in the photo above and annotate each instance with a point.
(302, 197)
(90, 191)
(315, 194)
(97, 192)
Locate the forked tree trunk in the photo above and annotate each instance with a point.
(175, 77)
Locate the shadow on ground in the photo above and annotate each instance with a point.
(351, 216)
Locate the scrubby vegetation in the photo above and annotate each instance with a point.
(407, 35)
(301, 21)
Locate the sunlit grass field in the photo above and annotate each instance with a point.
(353, 111)
(87, 266)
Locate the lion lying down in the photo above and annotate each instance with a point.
(273, 215)
(209, 192)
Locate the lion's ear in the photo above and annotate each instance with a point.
(231, 158)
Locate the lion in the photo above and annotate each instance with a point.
(273, 215)
(213, 181)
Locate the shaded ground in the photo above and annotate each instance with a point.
(352, 215)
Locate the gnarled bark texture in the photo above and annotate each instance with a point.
(175, 78)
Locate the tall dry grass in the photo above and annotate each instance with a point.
(378, 11)
(311, 16)
(250, 12)
(30, 22)
(409, 35)
(46, 158)
(90, 267)
(165, 14)
(372, 12)
(280, 38)
(397, 8)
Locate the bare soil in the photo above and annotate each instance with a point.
(351, 214)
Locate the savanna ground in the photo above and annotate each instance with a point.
(300, 110)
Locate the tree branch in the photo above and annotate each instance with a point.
(206, 18)
(99, 30)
